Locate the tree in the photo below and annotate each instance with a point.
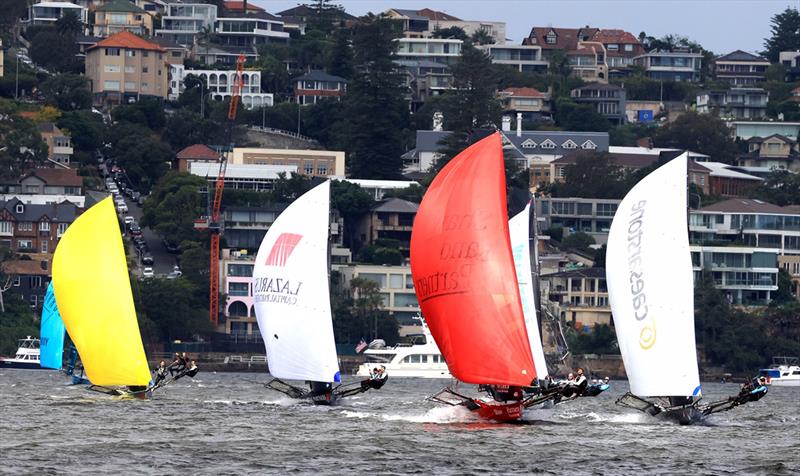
(352, 202)
(702, 133)
(785, 34)
(21, 145)
(174, 205)
(591, 176)
(780, 187)
(375, 103)
(453, 32)
(67, 92)
(143, 155)
(785, 292)
(580, 241)
(482, 37)
(87, 129)
(412, 193)
(340, 59)
(17, 320)
(148, 112)
(10, 15)
(186, 127)
(182, 319)
(69, 25)
(579, 117)
(55, 52)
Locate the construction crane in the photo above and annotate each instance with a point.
(214, 220)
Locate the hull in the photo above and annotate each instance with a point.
(499, 412)
(785, 383)
(11, 364)
(683, 416)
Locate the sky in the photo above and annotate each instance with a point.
(720, 26)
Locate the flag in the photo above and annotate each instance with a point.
(361, 346)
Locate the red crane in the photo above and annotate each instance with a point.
(213, 225)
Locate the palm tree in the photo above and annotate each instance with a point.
(206, 35)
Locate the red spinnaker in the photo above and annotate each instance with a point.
(464, 273)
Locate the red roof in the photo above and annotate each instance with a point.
(436, 16)
(126, 39)
(239, 6)
(615, 36)
(566, 38)
(524, 92)
(62, 177)
(198, 151)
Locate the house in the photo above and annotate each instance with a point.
(747, 129)
(676, 65)
(740, 68)
(257, 178)
(425, 79)
(46, 12)
(588, 215)
(425, 22)
(29, 278)
(750, 222)
(45, 187)
(791, 64)
(121, 15)
(413, 24)
(734, 103)
(552, 39)
(183, 21)
(395, 286)
(236, 27)
(317, 85)
(315, 163)
(621, 48)
(643, 112)
(212, 54)
(725, 181)
(772, 152)
(297, 18)
(28, 228)
(530, 102)
(236, 275)
(441, 50)
(220, 85)
(389, 219)
(245, 227)
(195, 153)
(523, 58)
(746, 275)
(124, 67)
(608, 99)
(59, 146)
(580, 296)
(587, 61)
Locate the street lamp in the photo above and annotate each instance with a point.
(16, 79)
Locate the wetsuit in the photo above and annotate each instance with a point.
(192, 371)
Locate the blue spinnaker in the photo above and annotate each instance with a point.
(51, 336)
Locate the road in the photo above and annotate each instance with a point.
(162, 261)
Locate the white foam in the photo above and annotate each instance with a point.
(450, 414)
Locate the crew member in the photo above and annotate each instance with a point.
(161, 373)
(192, 371)
(176, 365)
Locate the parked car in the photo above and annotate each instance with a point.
(135, 230)
(129, 220)
(141, 200)
(136, 195)
(174, 275)
(147, 259)
(122, 208)
(171, 247)
(148, 272)
(139, 242)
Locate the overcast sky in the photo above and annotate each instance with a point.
(721, 26)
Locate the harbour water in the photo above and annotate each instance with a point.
(230, 424)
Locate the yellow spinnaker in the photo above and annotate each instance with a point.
(93, 293)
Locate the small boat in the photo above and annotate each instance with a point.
(51, 335)
(650, 287)
(291, 289)
(465, 280)
(784, 372)
(26, 358)
(93, 295)
(420, 359)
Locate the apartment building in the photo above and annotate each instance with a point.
(121, 15)
(220, 85)
(124, 67)
(621, 48)
(183, 21)
(245, 227)
(746, 275)
(29, 278)
(389, 219)
(588, 215)
(740, 68)
(523, 58)
(734, 103)
(445, 51)
(773, 152)
(580, 296)
(533, 104)
(315, 163)
(239, 28)
(425, 79)
(748, 129)
(236, 275)
(607, 99)
(676, 65)
(256, 178)
(28, 228)
(47, 12)
(59, 144)
(425, 22)
(395, 287)
(317, 85)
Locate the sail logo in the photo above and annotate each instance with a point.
(282, 249)
(276, 290)
(636, 278)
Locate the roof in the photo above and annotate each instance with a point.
(758, 140)
(721, 170)
(671, 53)
(47, 127)
(166, 43)
(740, 55)
(428, 141)
(395, 205)
(238, 171)
(436, 15)
(234, 5)
(56, 5)
(524, 92)
(64, 212)
(410, 14)
(27, 267)
(318, 75)
(197, 151)
(387, 184)
(66, 177)
(578, 273)
(566, 38)
(119, 6)
(304, 10)
(126, 39)
(251, 14)
(615, 36)
(745, 205)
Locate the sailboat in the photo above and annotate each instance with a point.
(650, 287)
(51, 335)
(466, 283)
(291, 291)
(93, 295)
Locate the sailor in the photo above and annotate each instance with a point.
(175, 366)
(580, 381)
(192, 371)
(161, 373)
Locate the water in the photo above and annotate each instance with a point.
(229, 424)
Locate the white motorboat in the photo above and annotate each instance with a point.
(27, 356)
(785, 372)
(419, 358)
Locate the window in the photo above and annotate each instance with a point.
(396, 281)
(405, 300)
(130, 53)
(17, 281)
(111, 85)
(308, 167)
(118, 19)
(44, 225)
(34, 300)
(548, 144)
(175, 54)
(628, 47)
(5, 228)
(25, 226)
(550, 39)
(44, 246)
(323, 169)
(529, 144)
(129, 85)
(145, 54)
(25, 245)
(569, 144)
(238, 289)
(20, 208)
(379, 279)
(245, 270)
(111, 68)
(112, 51)
(589, 145)
(130, 69)
(612, 47)
(62, 228)
(145, 86)
(144, 69)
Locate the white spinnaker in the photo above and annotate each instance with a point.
(290, 287)
(518, 229)
(650, 286)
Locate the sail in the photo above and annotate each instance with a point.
(463, 270)
(650, 287)
(93, 292)
(290, 287)
(519, 231)
(51, 334)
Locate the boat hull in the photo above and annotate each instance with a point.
(784, 383)
(499, 412)
(683, 416)
(10, 364)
